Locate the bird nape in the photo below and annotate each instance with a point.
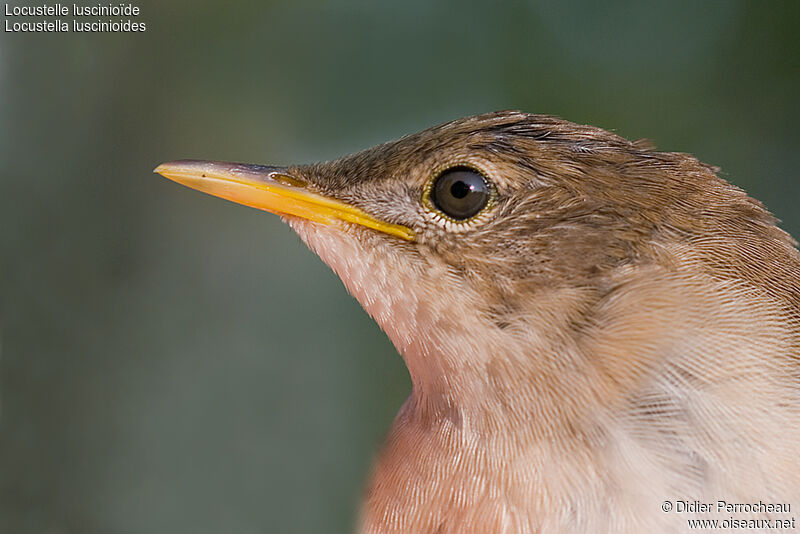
(592, 327)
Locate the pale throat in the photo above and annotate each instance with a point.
(457, 359)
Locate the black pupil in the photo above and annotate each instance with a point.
(460, 193)
(460, 189)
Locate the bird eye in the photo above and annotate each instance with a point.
(460, 193)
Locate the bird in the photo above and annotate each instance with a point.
(601, 337)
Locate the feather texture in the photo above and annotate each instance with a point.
(619, 329)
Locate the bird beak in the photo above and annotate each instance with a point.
(273, 189)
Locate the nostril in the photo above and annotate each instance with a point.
(287, 180)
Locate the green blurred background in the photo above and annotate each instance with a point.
(170, 362)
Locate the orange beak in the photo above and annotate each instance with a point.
(271, 189)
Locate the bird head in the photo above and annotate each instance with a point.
(514, 258)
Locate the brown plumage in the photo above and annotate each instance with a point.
(616, 328)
